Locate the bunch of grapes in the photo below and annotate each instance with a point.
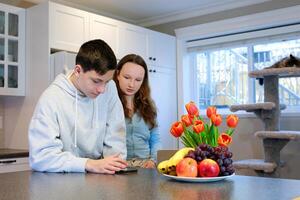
(219, 154)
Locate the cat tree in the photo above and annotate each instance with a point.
(273, 138)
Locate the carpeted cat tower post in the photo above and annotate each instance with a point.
(273, 138)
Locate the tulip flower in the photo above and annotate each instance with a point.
(232, 121)
(198, 126)
(216, 119)
(211, 110)
(186, 120)
(176, 129)
(192, 109)
(224, 139)
(193, 130)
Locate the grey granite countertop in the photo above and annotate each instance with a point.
(13, 153)
(145, 184)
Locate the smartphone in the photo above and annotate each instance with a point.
(127, 170)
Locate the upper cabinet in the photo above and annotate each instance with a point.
(69, 27)
(12, 51)
(106, 29)
(161, 50)
(132, 39)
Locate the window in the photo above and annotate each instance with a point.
(214, 58)
(222, 72)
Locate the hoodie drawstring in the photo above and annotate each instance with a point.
(75, 121)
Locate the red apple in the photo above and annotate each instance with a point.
(208, 168)
(187, 167)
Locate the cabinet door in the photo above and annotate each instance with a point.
(12, 51)
(106, 29)
(162, 50)
(163, 92)
(132, 39)
(68, 27)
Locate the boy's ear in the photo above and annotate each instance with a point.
(77, 70)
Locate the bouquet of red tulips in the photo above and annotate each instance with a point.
(193, 131)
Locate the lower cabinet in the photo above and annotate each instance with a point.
(164, 93)
(14, 164)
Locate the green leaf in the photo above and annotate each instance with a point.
(190, 138)
(230, 131)
(184, 142)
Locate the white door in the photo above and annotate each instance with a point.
(163, 92)
(68, 27)
(132, 39)
(12, 51)
(106, 29)
(162, 50)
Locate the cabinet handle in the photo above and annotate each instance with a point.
(154, 71)
(8, 161)
(150, 70)
(150, 58)
(154, 59)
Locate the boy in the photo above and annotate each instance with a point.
(78, 123)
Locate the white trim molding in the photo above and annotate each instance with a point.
(239, 24)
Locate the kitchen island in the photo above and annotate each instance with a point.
(145, 184)
(12, 160)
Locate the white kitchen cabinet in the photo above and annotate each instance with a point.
(106, 29)
(132, 39)
(69, 27)
(161, 50)
(12, 51)
(164, 93)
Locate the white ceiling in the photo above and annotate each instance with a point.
(152, 12)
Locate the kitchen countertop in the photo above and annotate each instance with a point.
(146, 184)
(13, 153)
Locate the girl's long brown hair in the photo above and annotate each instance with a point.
(143, 102)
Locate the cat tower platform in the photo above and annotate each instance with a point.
(283, 72)
(256, 106)
(255, 164)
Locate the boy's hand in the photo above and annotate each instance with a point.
(107, 165)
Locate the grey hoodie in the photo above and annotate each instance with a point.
(67, 128)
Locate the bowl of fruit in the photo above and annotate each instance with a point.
(206, 156)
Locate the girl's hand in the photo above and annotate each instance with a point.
(149, 164)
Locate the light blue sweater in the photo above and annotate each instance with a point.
(67, 128)
(142, 142)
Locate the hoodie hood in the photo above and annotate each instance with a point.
(63, 81)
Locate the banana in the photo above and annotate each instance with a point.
(178, 156)
(169, 166)
(172, 173)
(162, 167)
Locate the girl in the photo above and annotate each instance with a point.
(142, 134)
